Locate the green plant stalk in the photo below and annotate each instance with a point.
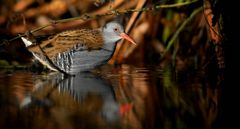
(172, 40)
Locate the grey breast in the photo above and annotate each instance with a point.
(81, 59)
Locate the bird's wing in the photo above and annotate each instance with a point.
(68, 40)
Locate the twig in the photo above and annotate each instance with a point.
(114, 12)
(177, 4)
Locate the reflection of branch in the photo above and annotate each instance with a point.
(86, 16)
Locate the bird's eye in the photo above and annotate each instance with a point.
(116, 29)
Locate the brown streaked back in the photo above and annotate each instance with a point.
(65, 41)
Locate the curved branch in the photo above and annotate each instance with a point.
(114, 12)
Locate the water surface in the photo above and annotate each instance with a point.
(113, 97)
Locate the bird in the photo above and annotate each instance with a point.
(78, 50)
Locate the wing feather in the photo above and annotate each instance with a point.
(67, 40)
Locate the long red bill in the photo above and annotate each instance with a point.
(125, 36)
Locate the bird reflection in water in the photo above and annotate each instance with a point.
(81, 100)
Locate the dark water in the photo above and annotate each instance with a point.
(124, 97)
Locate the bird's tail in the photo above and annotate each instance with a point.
(26, 42)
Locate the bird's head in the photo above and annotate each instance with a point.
(113, 32)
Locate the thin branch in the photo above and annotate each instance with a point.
(177, 4)
(114, 12)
